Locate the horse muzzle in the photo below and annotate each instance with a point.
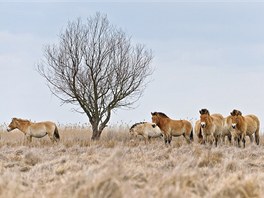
(203, 124)
(233, 126)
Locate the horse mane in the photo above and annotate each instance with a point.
(134, 125)
(22, 120)
(236, 112)
(160, 114)
(204, 111)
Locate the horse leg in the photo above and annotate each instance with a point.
(251, 138)
(257, 136)
(216, 140)
(223, 139)
(52, 138)
(165, 138)
(29, 138)
(200, 137)
(238, 142)
(186, 138)
(235, 141)
(206, 139)
(229, 138)
(244, 142)
(169, 139)
(149, 140)
(211, 139)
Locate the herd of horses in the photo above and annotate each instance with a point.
(210, 128)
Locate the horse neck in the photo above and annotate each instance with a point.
(162, 123)
(209, 124)
(241, 122)
(23, 125)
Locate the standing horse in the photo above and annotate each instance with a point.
(35, 129)
(211, 126)
(228, 129)
(171, 127)
(245, 125)
(146, 129)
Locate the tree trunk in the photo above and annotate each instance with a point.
(96, 135)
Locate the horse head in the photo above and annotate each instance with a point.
(155, 117)
(235, 117)
(13, 125)
(204, 119)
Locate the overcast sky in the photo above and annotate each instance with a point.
(206, 55)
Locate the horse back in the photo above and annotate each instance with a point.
(187, 124)
(252, 122)
(140, 128)
(252, 118)
(218, 119)
(178, 127)
(46, 125)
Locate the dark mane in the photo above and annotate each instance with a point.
(134, 125)
(160, 114)
(236, 112)
(204, 111)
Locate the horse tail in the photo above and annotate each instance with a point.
(56, 133)
(257, 136)
(191, 135)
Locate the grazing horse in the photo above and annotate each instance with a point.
(35, 129)
(171, 127)
(146, 129)
(245, 125)
(211, 126)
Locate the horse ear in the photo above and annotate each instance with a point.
(200, 111)
(152, 113)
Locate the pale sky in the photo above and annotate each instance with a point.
(206, 55)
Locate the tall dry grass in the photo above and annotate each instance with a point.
(117, 166)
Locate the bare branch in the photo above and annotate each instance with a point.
(95, 66)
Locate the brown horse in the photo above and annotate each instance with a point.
(248, 133)
(245, 125)
(35, 129)
(211, 126)
(171, 127)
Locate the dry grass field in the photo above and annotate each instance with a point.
(117, 166)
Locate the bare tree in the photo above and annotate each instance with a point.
(96, 67)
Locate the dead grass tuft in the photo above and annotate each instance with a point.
(235, 186)
(105, 188)
(210, 159)
(31, 159)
